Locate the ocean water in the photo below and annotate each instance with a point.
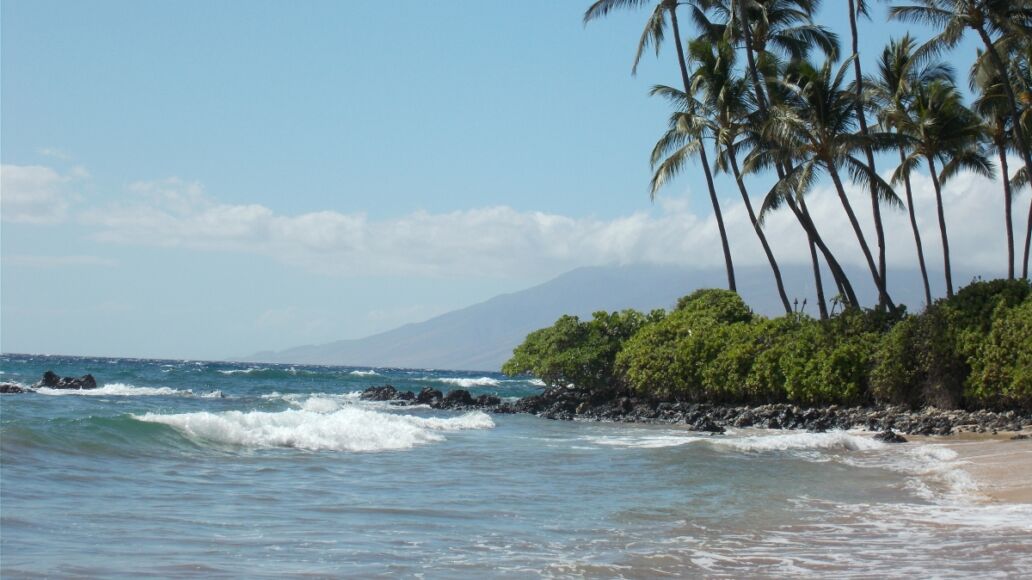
(183, 468)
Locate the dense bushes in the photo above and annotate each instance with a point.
(580, 353)
(974, 350)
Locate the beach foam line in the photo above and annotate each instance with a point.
(118, 390)
(344, 429)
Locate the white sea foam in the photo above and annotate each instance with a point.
(645, 441)
(117, 390)
(345, 429)
(246, 371)
(369, 373)
(467, 383)
(537, 382)
(795, 441)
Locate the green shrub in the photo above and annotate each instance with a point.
(575, 352)
(1001, 370)
(919, 361)
(720, 305)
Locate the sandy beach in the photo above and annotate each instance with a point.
(1001, 465)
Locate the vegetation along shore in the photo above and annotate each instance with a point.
(963, 364)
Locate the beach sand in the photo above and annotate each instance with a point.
(1001, 466)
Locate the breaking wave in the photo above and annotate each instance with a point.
(321, 424)
(123, 390)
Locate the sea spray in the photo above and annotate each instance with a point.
(318, 426)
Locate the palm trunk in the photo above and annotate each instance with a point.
(822, 305)
(759, 231)
(917, 232)
(878, 283)
(803, 215)
(1001, 69)
(1028, 243)
(704, 159)
(883, 296)
(761, 101)
(1007, 216)
(856, 228)
(942, 228)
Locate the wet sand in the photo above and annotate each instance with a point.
(1001, 466)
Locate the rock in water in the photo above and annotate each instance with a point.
(50, 380)
(384, 393)
(428, 396)
(890, 436)
(10, 388)
(457, 398)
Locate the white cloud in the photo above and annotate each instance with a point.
(502, 241)
(36, 194)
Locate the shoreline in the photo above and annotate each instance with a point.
(1000, 466)
(993, 448)
(571, 404)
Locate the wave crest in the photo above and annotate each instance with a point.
(117, 390)
(345, 429)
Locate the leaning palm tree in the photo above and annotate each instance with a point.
(940, 129)
(814, 132)
(653, 35)
(767, 30)
(997, 23)
(901, 70)
(725, 97)
(991, 106)
(859, 8)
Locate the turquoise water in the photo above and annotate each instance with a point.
(179, 468)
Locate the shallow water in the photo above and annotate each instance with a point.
(219, 469)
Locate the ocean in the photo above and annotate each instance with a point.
(211, 469)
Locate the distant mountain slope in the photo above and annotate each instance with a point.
(482, 336)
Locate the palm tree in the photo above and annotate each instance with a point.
(941, 129)
(813, 132)
(1009, 21)
(766, 29)
(901, 69)
(858, 8)
(991, 105)
(653, 35)
(725, 97)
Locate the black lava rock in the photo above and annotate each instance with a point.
(50, 380)
(889, 436)
(428, 396)
(383, 393)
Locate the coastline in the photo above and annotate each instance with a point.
(1000, 466)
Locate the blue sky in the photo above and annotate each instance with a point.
(212, 178)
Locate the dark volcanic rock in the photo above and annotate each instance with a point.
(10, 388)
(488, 401)
(1019, 437)
(383, 393)
(50, 380)
(428, 396)
(456, 399)
(889, 436)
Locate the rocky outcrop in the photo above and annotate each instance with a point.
(429, 396)
(568, 404)
(889, 436)
(50, 380)
(11, 388)
(384, 393)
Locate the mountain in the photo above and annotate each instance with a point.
(482, 336)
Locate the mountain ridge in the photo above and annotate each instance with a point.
(480, 337)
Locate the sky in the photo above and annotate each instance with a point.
(207, 179)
